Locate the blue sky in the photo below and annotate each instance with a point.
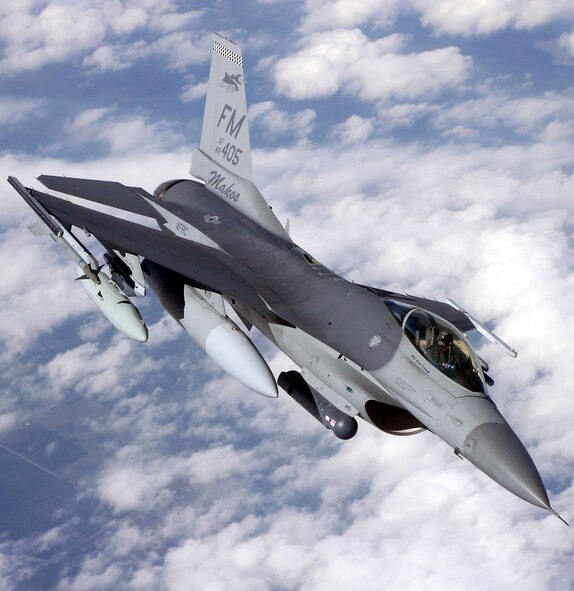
(419, 146)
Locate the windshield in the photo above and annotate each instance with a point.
(444, 346)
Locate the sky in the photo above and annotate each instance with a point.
(420, 146)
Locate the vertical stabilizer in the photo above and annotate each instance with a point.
(223, 159)
(225, 132)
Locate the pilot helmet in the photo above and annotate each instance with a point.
(444, 338)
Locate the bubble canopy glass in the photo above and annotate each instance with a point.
(441, 343)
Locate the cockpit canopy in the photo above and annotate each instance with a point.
(441, 343)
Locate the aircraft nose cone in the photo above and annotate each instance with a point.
(495, 449)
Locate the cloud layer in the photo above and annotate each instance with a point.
(37, 33)
(371, 70)
(443, 17)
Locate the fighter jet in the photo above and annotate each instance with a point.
(402, 363)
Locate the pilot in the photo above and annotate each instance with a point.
(442, 353)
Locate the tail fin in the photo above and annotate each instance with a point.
(223, 159)
(225, 133)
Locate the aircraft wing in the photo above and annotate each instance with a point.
(202, 264)
(442, 309)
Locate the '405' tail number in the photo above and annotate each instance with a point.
(231, 153)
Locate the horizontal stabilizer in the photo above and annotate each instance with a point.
(108, 193)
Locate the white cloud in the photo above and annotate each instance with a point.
(326, 14)
(127, 487)
(120, 135)
(96, 576)
(483, 18)
(106, 58)
(181, 49)
(55, 34)
(347, 61)
(566, 43)
(7, 421)
(193, 92)
(277, 122)
(447, 17)
(87, 367)
(545, 116)
(176, 21)
(26, 310)
(125, 19)
(344, 544)
(404, 114)
(36, 34)
(14, 110)
(354, 129)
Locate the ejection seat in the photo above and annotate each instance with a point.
(430, 336)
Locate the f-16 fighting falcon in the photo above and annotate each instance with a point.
(402, 363)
